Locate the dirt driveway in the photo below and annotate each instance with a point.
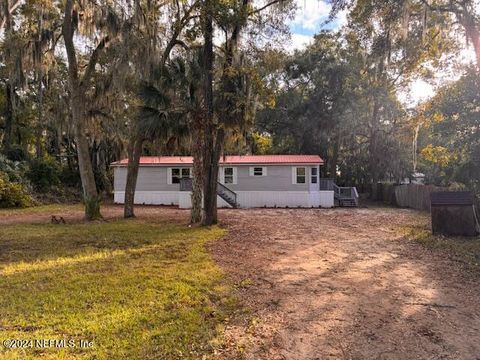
(343, 283)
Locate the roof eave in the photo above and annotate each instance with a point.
(229, 163)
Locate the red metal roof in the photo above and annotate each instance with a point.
(235, 159)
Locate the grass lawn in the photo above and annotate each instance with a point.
(42, 209)
(136, 289)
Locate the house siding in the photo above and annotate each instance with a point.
(278, 178)
(275, 189)
(150, 178)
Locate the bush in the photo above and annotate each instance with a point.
(70, 177)
(44, 173)
(13, 194)
(13, 169)
(16, 154)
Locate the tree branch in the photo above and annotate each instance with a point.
(178, 27)
(93, 60)
(14, 7)
(440, 8)
(69, 45)
(256, 11)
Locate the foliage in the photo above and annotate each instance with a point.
(262, 143)
(44, 173)
(326, 106)
(437, 155)
(160, 294)
(451, 137)
(13, 194)
(13, 169)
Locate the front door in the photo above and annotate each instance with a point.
(313, 179)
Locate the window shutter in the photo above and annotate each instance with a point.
(294, 175)
(251, 170)
(234, 175)
(169, 176)
(264, 171)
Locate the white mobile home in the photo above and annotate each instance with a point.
(244, 181)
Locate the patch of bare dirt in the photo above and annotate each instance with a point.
(342, 283)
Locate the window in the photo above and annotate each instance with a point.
(228, 175)
(314, 175)
(300, 175)
(185, 172)
(258, 171)
(176, 176)
(177, 173)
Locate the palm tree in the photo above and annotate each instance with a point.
(161, 116)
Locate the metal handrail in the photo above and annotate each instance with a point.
(339, 191)
(223, 189)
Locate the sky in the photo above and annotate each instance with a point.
(310, 19)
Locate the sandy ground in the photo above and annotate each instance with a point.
(339, 283)
(343, 283)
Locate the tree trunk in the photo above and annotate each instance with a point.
(10, 87)
(39, 60)
(332, 162)
(7, 135)
(77, 104)
(210, 179)
(197, 181)
(134, 153)
(90, 194)
(373, 156)
(39, 127)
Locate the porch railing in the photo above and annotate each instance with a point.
(341, 193)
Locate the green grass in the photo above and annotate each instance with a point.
(41, 209)
(463, 249)
(138, 290)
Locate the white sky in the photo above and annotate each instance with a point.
(310, 18)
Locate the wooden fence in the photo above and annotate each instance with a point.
(409, 195)
(415, 196)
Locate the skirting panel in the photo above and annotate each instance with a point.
(250, 199)
(149, 197)
(185, 200)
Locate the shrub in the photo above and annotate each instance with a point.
(13, 169)
(16, 154)
(13, 194)
(70, 177)
(44, 173)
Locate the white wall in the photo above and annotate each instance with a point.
(249, 199)
(149, 197)
(185, 201)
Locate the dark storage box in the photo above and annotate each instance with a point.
(453, 213)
